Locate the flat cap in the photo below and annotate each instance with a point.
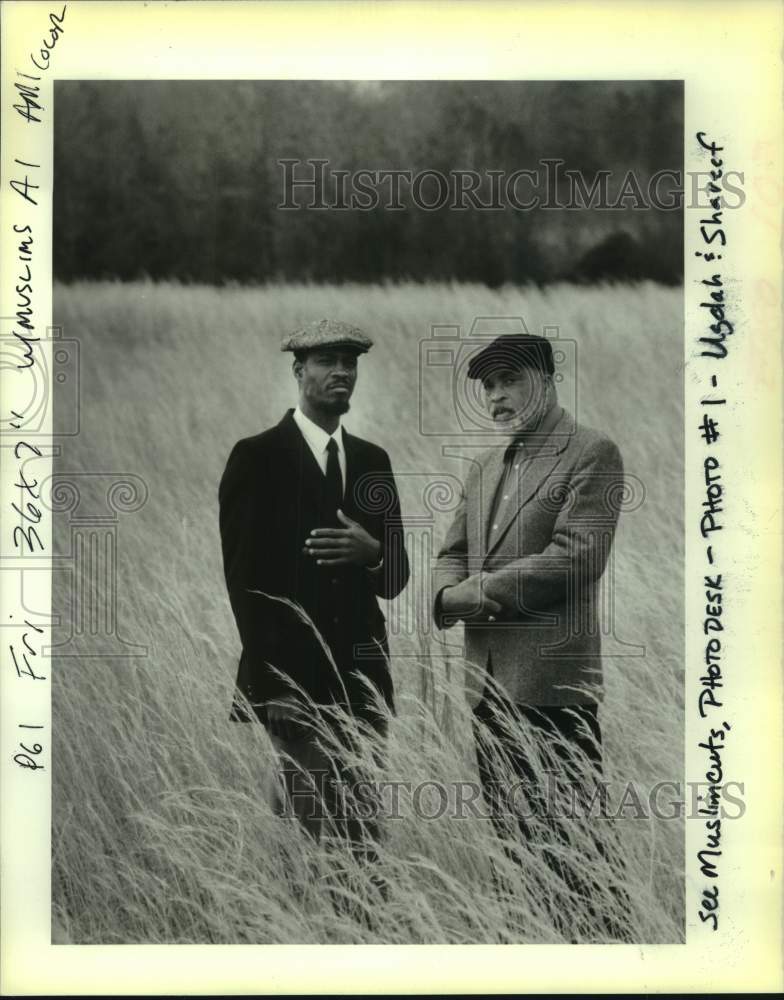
(327, 333)
(513, 352)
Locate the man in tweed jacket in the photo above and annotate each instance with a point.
(521, 566)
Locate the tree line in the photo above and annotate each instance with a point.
(185, 180)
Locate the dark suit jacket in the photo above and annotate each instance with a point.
(271, 496)
(543, 567)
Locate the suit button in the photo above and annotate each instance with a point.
(336, 620)
(491, 618)
(335, 579)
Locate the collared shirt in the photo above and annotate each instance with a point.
(318, 439)
(521, 449)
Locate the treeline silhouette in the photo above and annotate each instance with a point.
(182, 180)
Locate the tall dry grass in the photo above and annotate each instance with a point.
(161, 832)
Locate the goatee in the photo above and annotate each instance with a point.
(335, 407)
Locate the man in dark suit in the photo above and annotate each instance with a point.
(521, 566)
(310, 522)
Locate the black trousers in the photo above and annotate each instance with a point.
(538, 803)
(321, 783)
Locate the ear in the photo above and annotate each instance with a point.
(296, 367)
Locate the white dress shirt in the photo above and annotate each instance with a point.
(318, 439)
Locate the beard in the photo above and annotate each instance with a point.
(529, 417)
(334, 407)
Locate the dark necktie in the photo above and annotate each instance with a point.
(333, 494)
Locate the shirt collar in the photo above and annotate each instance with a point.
(316, 436)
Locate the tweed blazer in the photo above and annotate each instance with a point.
(543, 565)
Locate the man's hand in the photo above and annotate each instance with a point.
(466, 600)
(349, 546)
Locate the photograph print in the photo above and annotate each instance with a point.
(368, 512)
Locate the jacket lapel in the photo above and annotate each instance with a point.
(353, 472)
(538, 469)
(296, 454)
(492, 471)
(304, 467)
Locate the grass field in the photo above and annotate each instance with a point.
(160, 830)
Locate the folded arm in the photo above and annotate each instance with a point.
(582, 536)
(457, 594)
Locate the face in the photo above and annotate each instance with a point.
(326, 379)
(515, 399)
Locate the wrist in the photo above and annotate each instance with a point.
(449, 602)
(376, 558)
